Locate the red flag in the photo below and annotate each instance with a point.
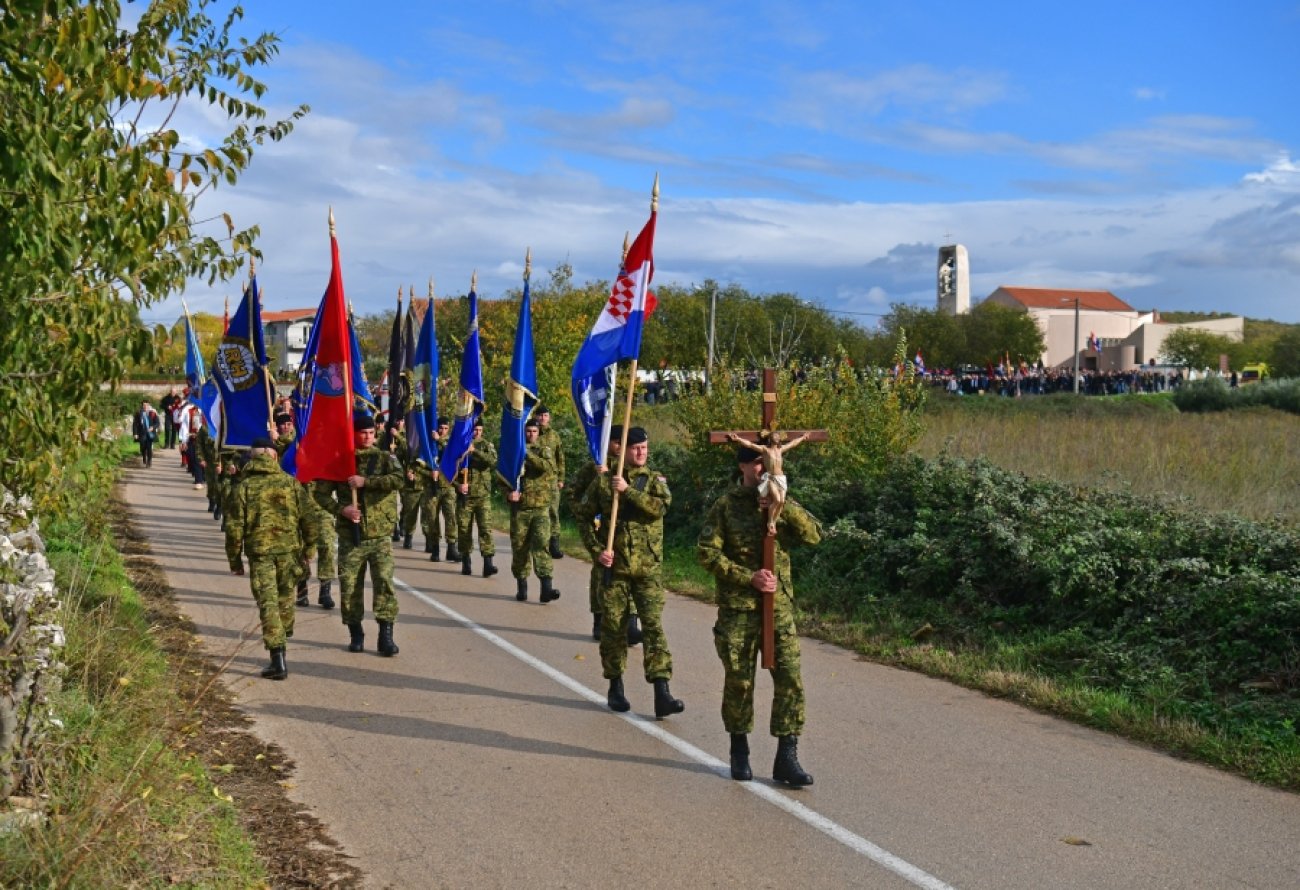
(325, 449)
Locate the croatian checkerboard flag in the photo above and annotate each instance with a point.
(920, 363)
(1093, 343)
(616, 336)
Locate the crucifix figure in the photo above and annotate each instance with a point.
(772, 444)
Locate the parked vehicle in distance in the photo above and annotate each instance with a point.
(1254, 372)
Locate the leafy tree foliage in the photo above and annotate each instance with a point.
(1286, 354)
(97, 199)
(1193, 348)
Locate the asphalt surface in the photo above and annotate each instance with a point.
(483, 754)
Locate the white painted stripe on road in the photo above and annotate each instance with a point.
(808, 816)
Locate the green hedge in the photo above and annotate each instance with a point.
(1213, 394)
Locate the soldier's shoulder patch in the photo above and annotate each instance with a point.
(663, 480)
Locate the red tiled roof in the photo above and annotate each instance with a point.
(288, 315)
(1055, 298)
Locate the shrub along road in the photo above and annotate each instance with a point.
(483, 755)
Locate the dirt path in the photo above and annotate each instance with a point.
(483, 755)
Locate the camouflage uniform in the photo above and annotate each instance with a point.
(412, 488)
(587, 515)
(378, 501)
(438, 502)
(475, 507)
(323, 543)
(271, 520)
(731, 547)
(550, 438)
(638, 557)
(207, 454)
(530, 520)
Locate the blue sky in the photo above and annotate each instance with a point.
(826, 149)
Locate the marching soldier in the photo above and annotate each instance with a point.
(550, 438)
(731, 547)
(271, 521)
(438, 504)
(364, 535)
(584, 512)
(530, 521)
(475, 491)
(635, 560)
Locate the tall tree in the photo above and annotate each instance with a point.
(1193, 348)
(97, 204)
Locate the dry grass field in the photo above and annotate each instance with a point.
(1242, 462)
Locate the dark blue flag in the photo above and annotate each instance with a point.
(521, 395)
(241, 374)
(470, 404)
(423, 413)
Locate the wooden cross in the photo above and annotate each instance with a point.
(717, 437)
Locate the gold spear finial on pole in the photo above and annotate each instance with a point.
(473, 281)
(654, 195)
(399, 298)
(627, 245)
(528, 263)
(332, 232)
(430, 287)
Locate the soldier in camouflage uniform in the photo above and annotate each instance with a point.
(439, 502)
(365, 535)
(588, 521)
(230, 461)
(636, 561)
(550, 438)
(731, 547)
(271, 520)
(412, 493)
(476, 502)
(211, 477)
(530, 521)
(284, 439)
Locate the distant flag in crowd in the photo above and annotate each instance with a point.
(195, 373)
(919, 363)
(362, 401)
(396, 396)
(325, 444)
(521, 390)
(615, 336)
(241, 373)
(470, 404)
(423, 412)
(1093, 342)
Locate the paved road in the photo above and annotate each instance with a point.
(483, 755)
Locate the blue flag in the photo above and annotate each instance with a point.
(195, 373)
(470, 404)
(594, 398)
(241, 374)
(362, 401)
(521, 395)
(424, 393)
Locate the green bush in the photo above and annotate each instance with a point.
(1213, 394)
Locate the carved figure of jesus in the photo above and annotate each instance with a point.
(772, 485)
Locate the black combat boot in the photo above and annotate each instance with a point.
(786, 768)
(407, 541)
(616, 700)
(277, 669)
(386, 645)
(216, 513)
(433, 554)
(303, 599)
(740, 770)
(634, 634)
(429, 546)
(453, 552)
(556, 552)
(465, 567)
(548, 592)
(596, 619)
(397, 533)
(665, 704)
(358, 643)
(323, 599)
(521, 589)
(488, 569)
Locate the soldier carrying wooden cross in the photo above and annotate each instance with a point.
(744, 545)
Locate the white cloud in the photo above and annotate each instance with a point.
(1148, 94)
(1282, 171)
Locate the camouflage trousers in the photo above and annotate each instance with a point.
(736, 637)
(554, 512)
(412, 500)
(438, 503)
(474, 512)
(326, 547)
(274, 579)
(595, 591)
(377, 553)
(530, 535)
(617, 600)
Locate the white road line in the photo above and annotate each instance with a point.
(854, 842)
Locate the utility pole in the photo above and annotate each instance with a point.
(1076, 346)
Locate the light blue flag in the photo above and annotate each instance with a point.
(470, 404)
(521, 395)
(195, 373)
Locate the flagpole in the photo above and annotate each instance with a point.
(627, 417)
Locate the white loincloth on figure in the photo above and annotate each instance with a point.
(773, 485)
